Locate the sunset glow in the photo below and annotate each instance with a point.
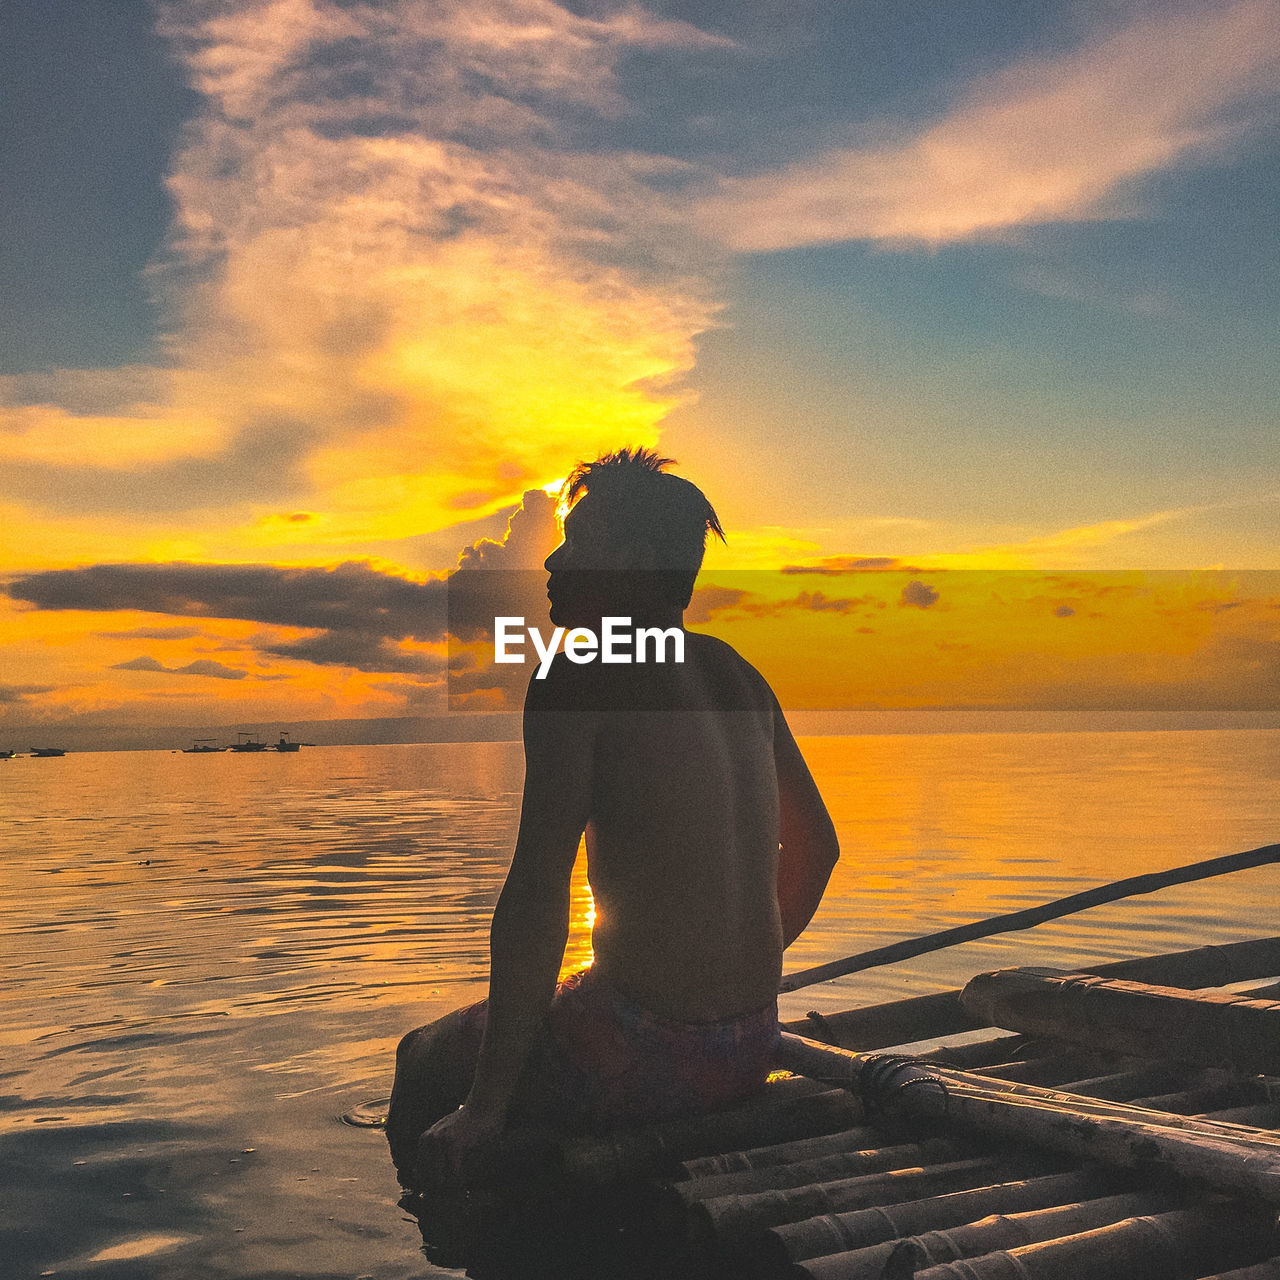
(994, 310)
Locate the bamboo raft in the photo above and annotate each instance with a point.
(1117, 1122)
(1114, 1124)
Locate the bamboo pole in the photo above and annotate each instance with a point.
(1051, 1069)
(1211, 1095)
(941, 1014)
(828, 1168)
(659, 1148)
(764, 1157)
(895, 1022)
(1263, 1116)
(859, 1228)
(1131, 886)
(1269, 1270)
(1229, 1158)
(1000, 1231)
(977, 1053)
(1214, 1029)
(888, 1073)
(1164, 1246)
(1137, 1082)
(730, 1219)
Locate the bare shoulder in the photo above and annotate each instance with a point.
(731, 671)
(564, 686)
(709, 675)
(569, 691)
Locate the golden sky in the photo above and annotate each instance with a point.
(409, 262)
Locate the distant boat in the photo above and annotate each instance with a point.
(286, 744)
(201, 747)
(47, 751)
(247, 742)
(7, 755)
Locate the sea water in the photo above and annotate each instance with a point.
(206, 960)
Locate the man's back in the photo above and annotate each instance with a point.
(708, 851)
(682, 840)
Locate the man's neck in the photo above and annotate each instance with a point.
(664, 618)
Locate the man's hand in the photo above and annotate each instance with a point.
(456, 1149)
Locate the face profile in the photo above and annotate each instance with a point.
(633, 542)
(578, 569)
(599, 570)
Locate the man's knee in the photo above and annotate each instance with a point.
(435, 1065)
(419, 1058)
(411, 1044)
(449, 1040)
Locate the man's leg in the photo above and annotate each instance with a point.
(626, 1064)
(435, 1065)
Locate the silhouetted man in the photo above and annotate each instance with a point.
(708, 850)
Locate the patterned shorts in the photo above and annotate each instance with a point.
(606, 1060)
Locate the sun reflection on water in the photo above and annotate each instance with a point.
(578, 953)
(202, 975)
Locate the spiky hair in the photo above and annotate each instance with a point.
(638, 497)
(642, 473)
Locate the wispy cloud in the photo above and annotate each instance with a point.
(152, 633)
(201, 667)
(833, 566)
(1047, 140)
(360, 617)
(19, 693)
(397, 288)
(1063, 545)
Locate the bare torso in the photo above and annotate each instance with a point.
(682, 840)
(709, 846)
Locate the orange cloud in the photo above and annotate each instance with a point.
(321, 632)
(1103, 640)
(383, 326)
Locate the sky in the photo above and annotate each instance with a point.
(308, 302)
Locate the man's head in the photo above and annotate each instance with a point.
(637, 530)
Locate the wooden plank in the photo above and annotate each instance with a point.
(1002, 1231)
(1151, 1247)
(1232, 1159)
(858, 1228)
(730, 1219)
(941, 1014)
(1213, 1029)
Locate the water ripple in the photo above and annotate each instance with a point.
(205, 961)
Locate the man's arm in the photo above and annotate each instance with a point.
(806, 833)
(531, 920)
